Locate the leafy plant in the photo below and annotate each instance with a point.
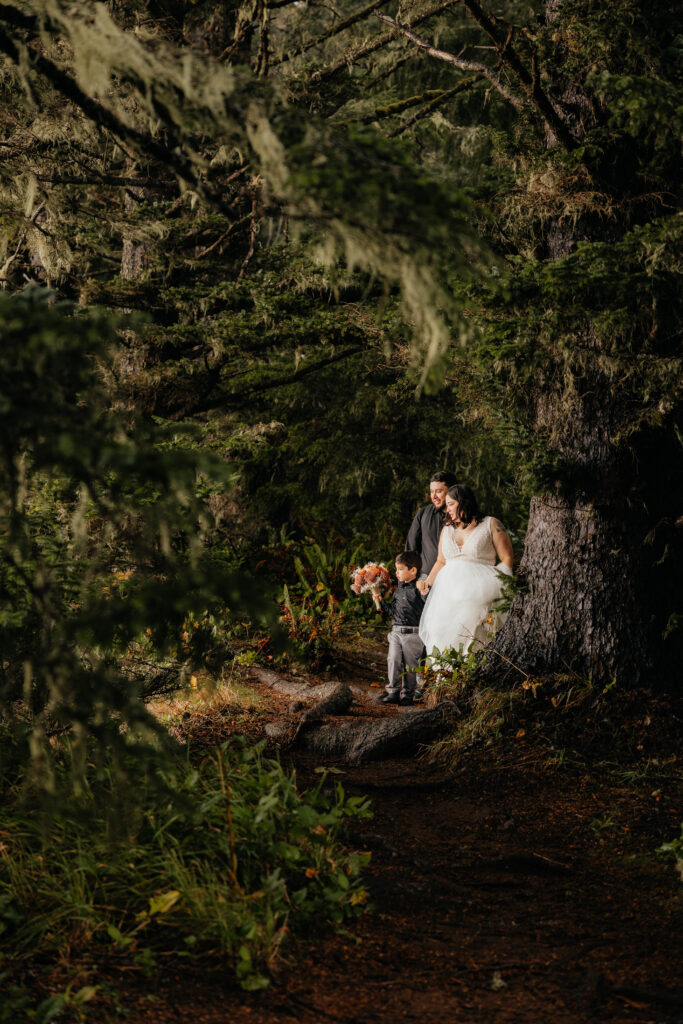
(675, 849)
(605, 823)
(313, 625)
(101, 541)
(238, 860)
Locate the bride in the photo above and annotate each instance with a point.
(465, 580)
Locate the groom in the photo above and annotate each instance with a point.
(425, 528)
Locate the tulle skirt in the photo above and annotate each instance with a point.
(457, 613)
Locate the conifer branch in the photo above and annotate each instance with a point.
(432, 98)
(458, 62)
(252, 239)
(240, 399)
(236, 43)
(466, 83)
(10, 259)
(100, 115)
(393, 109)
(108, 180)
(529, 81)
(263, 59)
(397, 108)
(222, 237)
(335, 30)
(388, 72)
(347, 59)
(378, 42)
(300, 374)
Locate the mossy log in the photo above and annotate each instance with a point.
(359, 741)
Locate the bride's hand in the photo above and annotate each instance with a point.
(422, 586)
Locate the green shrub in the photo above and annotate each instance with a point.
(225, 870)
(103, 540)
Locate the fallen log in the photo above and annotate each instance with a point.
(337, 702)
(358, 741)
(299, 691)
(277, 682)
(355, 741)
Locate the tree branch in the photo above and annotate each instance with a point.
(466, 83)
(100, 115)
(252, 239)
(263, 59)
(397, 108)
(335, 30)
(529, 81)
(239, 400)
(458, 62)
(107, 179)
(222, 238)
(378, 42)
(388, 71)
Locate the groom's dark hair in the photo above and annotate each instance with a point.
(444, 477)
(411, 560)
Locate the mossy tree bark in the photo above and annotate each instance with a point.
(589, 590)
(581, 611)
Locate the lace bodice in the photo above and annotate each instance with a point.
(477, 546)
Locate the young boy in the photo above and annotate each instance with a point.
(405, 647)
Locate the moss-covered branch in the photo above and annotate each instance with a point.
(457, 62)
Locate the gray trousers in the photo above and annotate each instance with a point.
(405, 651)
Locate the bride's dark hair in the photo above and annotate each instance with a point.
(468, 509)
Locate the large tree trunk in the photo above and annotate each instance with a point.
(582, 564)
(134, 252)
(580, 611)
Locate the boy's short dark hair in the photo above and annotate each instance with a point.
(444, 477)
(411, 560)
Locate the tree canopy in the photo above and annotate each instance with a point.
(376, 239)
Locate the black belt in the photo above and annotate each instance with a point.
(406, 629)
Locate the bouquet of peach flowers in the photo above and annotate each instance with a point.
(371, 576)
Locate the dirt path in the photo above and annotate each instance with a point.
(503, 894)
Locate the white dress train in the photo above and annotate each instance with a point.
(457, 613)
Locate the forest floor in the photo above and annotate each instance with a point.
(513, 889)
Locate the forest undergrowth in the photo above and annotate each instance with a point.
(223, 858)
(216, 860)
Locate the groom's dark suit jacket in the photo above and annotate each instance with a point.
(423, 535)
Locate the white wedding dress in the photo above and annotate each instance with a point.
(459, 604)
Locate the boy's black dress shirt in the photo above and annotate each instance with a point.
(406, 606)
(423, 535)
